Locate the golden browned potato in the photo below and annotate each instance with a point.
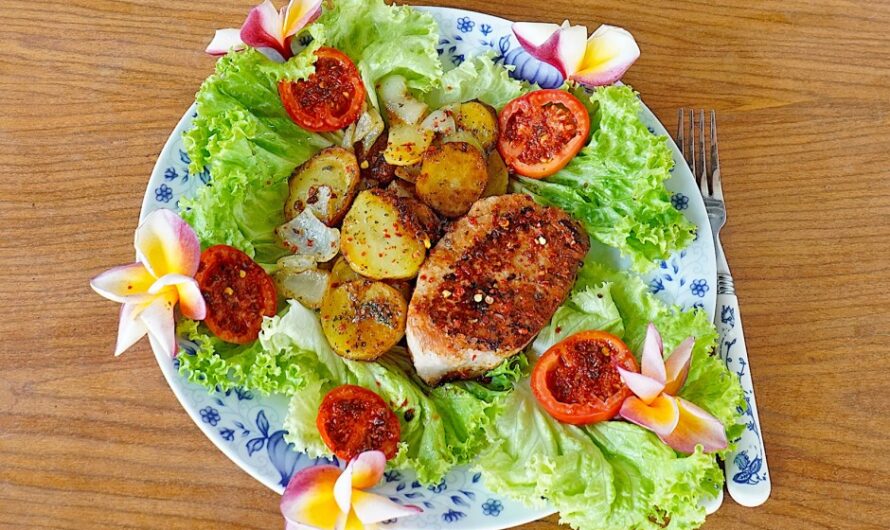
(326, 184)
(342, 273)
(406, 143)
(363, 319)
(452, 178)
(498, 176)
(479, 119)
(381, 236)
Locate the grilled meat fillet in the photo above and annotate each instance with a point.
(490, 285)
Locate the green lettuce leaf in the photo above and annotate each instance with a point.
(614, 187)
(244, 137)
(613, 475)
(476, 78)
(219, 365)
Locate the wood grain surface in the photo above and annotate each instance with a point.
(90, 89)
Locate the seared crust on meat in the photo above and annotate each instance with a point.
(490, 285)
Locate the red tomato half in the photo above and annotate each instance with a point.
(541, 132)
(577, 380)
(330, 99)
(238, 293)
(353, 419)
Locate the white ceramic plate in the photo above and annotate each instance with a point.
(248, 428)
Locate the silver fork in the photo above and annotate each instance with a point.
(747, 475)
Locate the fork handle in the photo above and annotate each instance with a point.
(747, 476)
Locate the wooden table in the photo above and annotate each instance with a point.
(90, 89)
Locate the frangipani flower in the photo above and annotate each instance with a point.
(678, 423)
(601, 60)
(323, 497)
(167, 253)
(266, 27)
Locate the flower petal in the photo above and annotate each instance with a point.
(157, 316)
(652, 362)
(646, 388)
(609, 53)
(570, 48)
(126, 283)
(168, 280)
(166, 244)
(561, 46)
(191, 301)
(367, 469)
(371, 508)
(298, 14)
(696, 427)
(533, 35)
(343, 489)
(349, 521)
(660, 417)
(309, 498)
(129, 329)
(677, 366)
(225, 40)
(262, 28)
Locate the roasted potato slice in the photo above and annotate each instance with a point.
(406, 143)
(452, 178)
(498, 176)
(307, 287)
(363, 319)
(381, 236)
(342, 273)
(479, 119)
(325, 184)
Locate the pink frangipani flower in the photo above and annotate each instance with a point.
(654, 405)
(326, 498)
(598, 60)
(267, 28)
(167, 253)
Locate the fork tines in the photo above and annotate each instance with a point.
(701, 155)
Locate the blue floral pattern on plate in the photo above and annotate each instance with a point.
(248, 428)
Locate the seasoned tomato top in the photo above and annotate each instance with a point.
(585, 372)
(353, 419)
